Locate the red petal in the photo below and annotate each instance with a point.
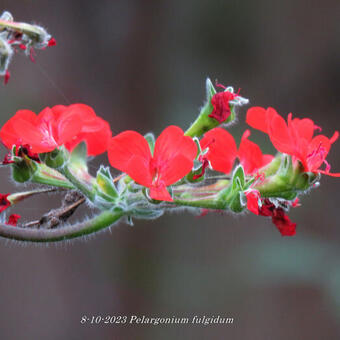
(329, 173)
(257, 118)
(8, 133)
(250, 155)
(139, 170)
(283, 223)
(13, 220)
(304, 128)
(222, 149)
(39, 140)
(334, 137)
(176, 169)
(317, 152)
(58, 110)
(279, 133)
(97, 141)
(4, 202)
(160, 193)
(90, 128)
(172, 142)
(123, 147)
(253, 201)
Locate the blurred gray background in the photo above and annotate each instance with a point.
(142, 65)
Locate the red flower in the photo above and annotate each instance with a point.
(4, 202)
(59, 125)
(223, 151)
(172, 159)
(13, 220)
(295, 138)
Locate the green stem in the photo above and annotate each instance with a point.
(200, 203)
(19, 196)
(48, 176)
(204, 123)
(86, 189)
(104, 220)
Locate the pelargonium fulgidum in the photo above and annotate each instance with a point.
(171, 160)
(256, 182)
(294, 138)
(56, 126)
(222, 152)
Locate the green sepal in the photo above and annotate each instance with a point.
(23, 171)
(238, 180)
(231, 197)
(78, 156)
(56, 158)
(24, 167)
(104, 184)
(146, 214)
(190, 176)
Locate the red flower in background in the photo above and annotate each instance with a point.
(294, 138)
(56, 126)
(172, 159)
(223, 152)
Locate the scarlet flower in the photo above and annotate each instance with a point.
(4, 202)
(221, 103)
(172, 159)
(56, 126)
(223, 151)
(295, 138)
(13, 220)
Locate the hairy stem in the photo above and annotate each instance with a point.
(48, 176)
(82, 186)
(103, 220)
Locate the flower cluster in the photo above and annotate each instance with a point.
(16, 36)
(169, 172)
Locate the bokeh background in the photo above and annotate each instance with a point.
(142, 65)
